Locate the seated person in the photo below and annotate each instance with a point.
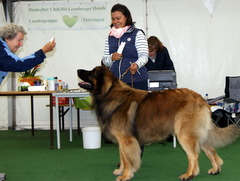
(158, 56)
(158, 59)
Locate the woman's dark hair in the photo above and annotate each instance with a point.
(154, 44)
(125, 11)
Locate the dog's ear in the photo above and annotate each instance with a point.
(104, 79)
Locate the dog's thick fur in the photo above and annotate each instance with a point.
(132, 117)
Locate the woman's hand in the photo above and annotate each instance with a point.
(133, 68)
(49, 46)
(116, 56)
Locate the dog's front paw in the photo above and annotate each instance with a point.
(117, 172)
(123, 178)
(185, 177)
(213, 171)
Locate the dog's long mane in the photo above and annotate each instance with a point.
(109, 102)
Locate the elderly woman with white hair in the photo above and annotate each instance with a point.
(11, 38)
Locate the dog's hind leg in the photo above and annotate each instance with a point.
(130, 160)
(215, 160)
(190, 145)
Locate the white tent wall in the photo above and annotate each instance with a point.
(203, 45)
(2, 15)
(3, 101)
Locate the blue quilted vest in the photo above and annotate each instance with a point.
(130, 55)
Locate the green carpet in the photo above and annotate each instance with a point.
(28, 158)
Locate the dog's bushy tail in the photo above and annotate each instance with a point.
(220, 137)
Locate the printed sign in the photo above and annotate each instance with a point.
(64, 15)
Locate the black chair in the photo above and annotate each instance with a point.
(230, 102)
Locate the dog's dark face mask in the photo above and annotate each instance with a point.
(86, 77)
(98, 80)
(92, 79)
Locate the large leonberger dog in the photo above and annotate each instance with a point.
(132, 118)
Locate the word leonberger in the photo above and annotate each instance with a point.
(132, 117)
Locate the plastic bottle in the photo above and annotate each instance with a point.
(65, 86)
(51, 85)
(60, 85)
(45, 82)
(56, 83)
(206, 97)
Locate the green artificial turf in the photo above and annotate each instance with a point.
(28, 158)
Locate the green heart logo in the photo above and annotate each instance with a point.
(70, 22)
